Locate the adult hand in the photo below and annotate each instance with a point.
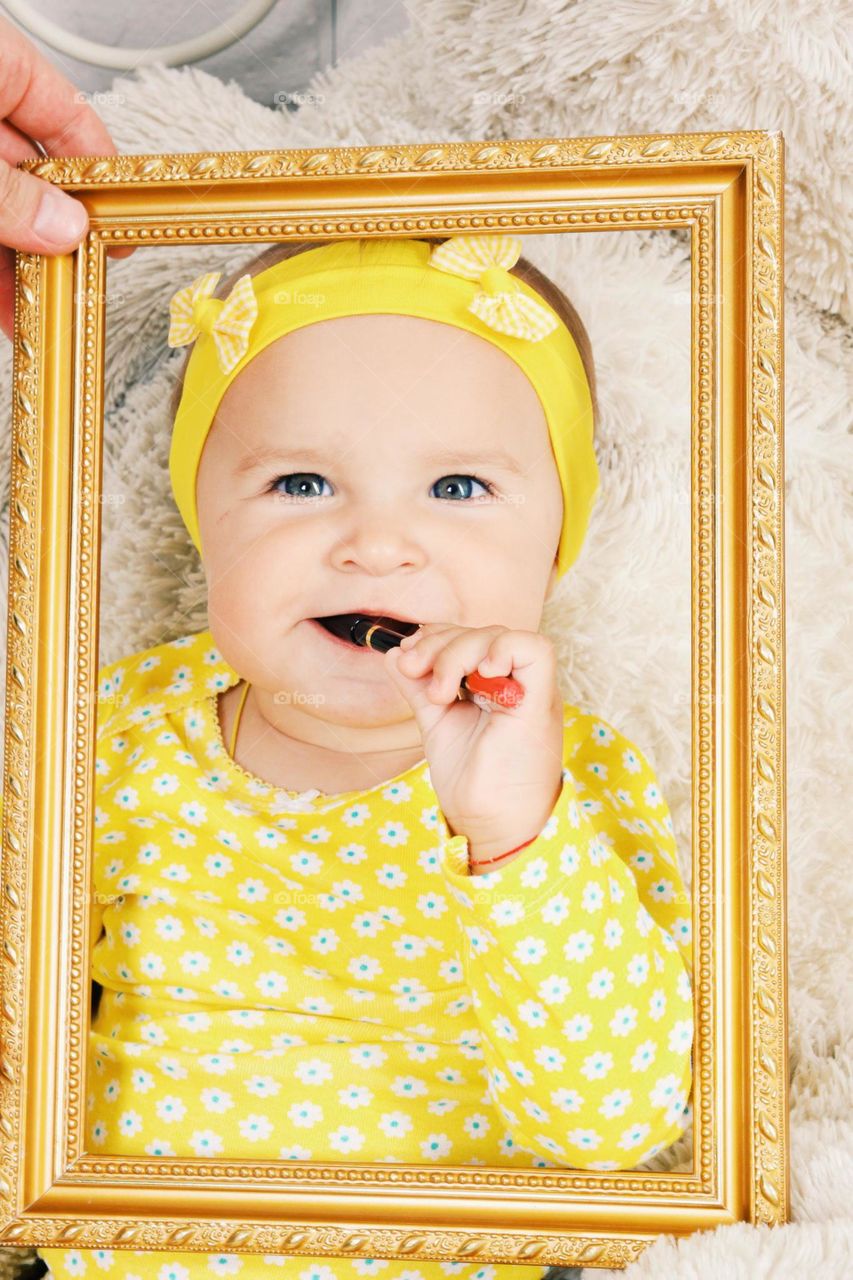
(37, 216)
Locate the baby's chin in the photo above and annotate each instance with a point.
(356, 708)
(342, 691)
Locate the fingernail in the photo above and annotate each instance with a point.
(59, 218)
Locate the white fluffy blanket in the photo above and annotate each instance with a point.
(471, 69)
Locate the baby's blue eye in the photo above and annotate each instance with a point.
(482, 483)
(304, 478)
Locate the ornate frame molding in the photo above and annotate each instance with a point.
(727, 189)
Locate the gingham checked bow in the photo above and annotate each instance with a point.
(499, 303)
(193, 310)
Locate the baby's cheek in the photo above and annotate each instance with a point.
(235, 602)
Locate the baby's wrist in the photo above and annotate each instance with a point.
(481, 860)
(512, 840)
(510, 837)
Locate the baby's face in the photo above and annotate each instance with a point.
(346, 469)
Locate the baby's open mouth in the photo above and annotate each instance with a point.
(341, 625)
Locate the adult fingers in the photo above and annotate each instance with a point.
(37, 102)
(37, 217)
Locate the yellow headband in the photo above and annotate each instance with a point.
(464, 281)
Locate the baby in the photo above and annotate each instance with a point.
(390, 920)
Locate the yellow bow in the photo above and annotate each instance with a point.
(229, 322)
(500, 303)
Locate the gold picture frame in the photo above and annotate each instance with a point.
(726, 189)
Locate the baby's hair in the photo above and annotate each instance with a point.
(524, 269)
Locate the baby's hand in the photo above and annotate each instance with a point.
(497, 773)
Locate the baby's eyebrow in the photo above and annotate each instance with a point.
(492, 458)
(259, 457)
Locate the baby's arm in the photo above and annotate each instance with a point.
(577, 956)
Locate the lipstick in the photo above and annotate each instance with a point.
(385, 633)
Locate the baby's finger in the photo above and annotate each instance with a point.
(531, 659)
(426, 629)
(458, 658)
(420, 659)
(427, 712)
(417, 657)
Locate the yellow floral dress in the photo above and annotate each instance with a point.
(312, 977)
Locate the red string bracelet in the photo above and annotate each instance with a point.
(486, 862)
